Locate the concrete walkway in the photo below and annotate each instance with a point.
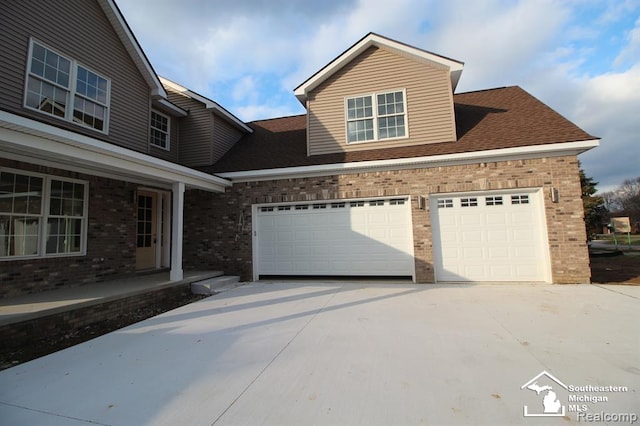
(290, 353)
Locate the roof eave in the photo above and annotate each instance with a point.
(501, 154)
(209, 104)
(28, 140)
(132, 46)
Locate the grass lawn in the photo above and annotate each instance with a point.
(622, 238)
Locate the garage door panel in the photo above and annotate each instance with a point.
(360, 240)
(495, 240)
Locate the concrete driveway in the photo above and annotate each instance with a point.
(292, 353)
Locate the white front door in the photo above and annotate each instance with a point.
(490, 236)
(349, 238)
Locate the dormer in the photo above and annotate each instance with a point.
(380, 93)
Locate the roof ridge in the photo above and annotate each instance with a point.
(277, 118)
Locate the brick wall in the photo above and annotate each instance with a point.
(218, 226)
(53, 326)
(111, 242)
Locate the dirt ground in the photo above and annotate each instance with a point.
(616, 269)
(609, 269)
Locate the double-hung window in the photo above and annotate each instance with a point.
(377, 116)
(159, 132)
(41, 215)
(61, 87)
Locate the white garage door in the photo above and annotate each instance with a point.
(355, 237)
(490, 237)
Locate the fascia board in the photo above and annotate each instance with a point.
(455, 67)
(171, 108)
(208, 103)
(35, 139)
(504, 154)
(132, 46)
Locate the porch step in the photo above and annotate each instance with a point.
(214, 285)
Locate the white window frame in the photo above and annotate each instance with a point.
(376, 117)
(45, 215)
(167, 132)
(71, 90)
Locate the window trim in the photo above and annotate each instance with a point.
(45, 215)
(71, 90)
(168, 132)
(375, 117)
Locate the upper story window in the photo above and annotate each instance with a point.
(159, 134)
(63, 88)
(376, 117)
(41, 215)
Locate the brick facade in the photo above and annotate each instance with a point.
(218, 230)
(111, 245)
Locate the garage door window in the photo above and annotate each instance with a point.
(446, 203)
(494, 201)
(469, 202)
(519, 199)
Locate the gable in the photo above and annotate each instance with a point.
(424, 84)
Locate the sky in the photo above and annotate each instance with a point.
(580, 57)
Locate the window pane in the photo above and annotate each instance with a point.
(63, 235)
(18, 236)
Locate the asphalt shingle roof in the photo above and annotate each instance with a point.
(489, 119)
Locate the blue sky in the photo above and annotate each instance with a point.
(581, 57)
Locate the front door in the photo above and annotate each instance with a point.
(147, 238)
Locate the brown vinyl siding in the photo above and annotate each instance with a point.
(78, 30)
(429, 101)
(195, 132)
(174, 142)
(224, 137)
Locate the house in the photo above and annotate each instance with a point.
(107, 170)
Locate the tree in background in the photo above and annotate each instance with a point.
(595, 212)
(625, 201)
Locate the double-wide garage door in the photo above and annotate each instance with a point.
(490, 237)
(348, 238)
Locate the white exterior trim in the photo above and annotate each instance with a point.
(503, 154)
(41, 143)
(372, 39)
(131, 45)
(208, 103)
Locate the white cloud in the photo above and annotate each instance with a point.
(632, 51)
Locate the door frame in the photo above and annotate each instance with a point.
(163, 218)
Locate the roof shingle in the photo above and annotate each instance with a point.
(490, 119)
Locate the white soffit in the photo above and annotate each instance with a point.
(28, 140)
(455, 67)
(492, 155)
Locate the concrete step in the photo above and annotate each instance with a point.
(215, 285)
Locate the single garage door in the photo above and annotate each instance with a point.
(490, 237)
(350, 238)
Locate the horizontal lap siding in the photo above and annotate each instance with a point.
(428, 97)
(196, 131)
(224, 137)
(79, 30)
